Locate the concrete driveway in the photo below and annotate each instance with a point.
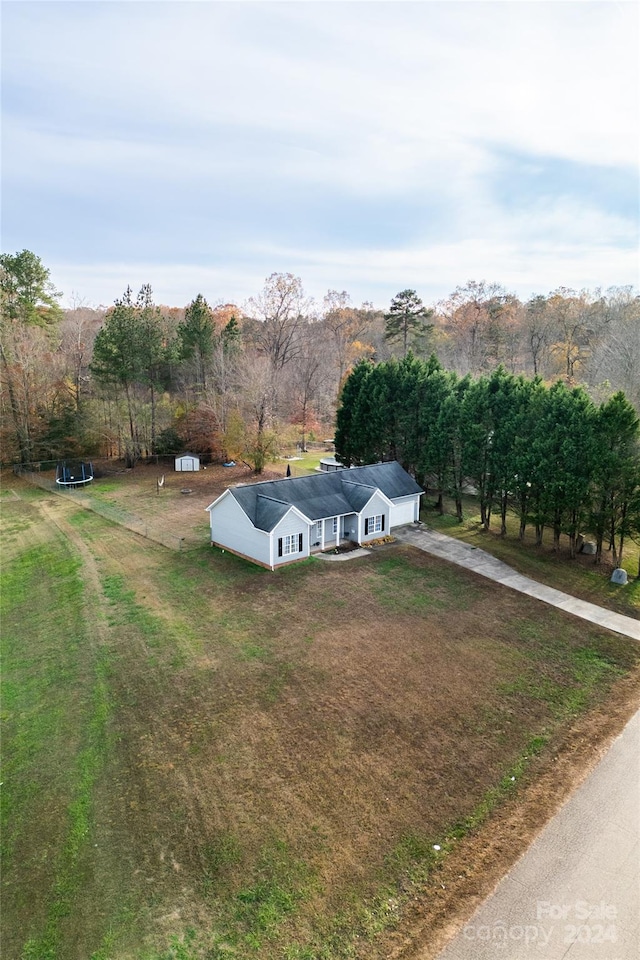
(482, 563)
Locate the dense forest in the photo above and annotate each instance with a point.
(248, 381)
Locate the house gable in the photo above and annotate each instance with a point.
(290, 538)
(226, 493)
(269, 512)
(359, 495)
(373, 520)
(232, 529)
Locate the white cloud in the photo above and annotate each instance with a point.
(569, 247)
(536, 76)
(356, 103)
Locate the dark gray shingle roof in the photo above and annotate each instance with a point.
(322, 495)
(268, 512)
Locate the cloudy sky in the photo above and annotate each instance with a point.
(363, 146)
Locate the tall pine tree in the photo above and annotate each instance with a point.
(407, 319)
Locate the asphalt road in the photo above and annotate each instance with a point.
(575, 893)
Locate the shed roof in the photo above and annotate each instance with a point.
(322, 495)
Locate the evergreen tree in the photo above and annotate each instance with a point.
(196, 336)
(348, 433)
(132, 350)
(371, 411)
(406, 319)
(381, 411)
(616, 479)
(451, 438)
(412, 427)
(231, 336)
(431, 443)
(525, 458)
(157, 351)
(116, 360)
(476, 432)
(563, 449)
(508, 397)
(28, 295)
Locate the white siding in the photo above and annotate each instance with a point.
(331, 538)
(291, 523)
(376, 506)
(231, 527)
(350, 527)
(404, 510)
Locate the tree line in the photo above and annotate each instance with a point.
(550, 453)
(246, 381)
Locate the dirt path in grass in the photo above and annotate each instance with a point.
(102, 862)
(53, 511)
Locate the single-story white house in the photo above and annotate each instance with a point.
(187, 462)
(280, 521)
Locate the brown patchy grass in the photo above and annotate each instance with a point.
(166, 510)
(285, 749)
(460, 883)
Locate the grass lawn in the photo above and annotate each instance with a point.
(308, 462)
(205, 760)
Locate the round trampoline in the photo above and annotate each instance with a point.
(74, 473)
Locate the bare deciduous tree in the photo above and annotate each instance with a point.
(282, 310)
(479, 321)
(347, 325)
(615, 358)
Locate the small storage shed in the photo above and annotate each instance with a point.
(187, 462)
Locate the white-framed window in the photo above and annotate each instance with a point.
(319, 530)
(374, 524)
(290, 544)
(335, 526)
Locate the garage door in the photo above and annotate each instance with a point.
(402, 513)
